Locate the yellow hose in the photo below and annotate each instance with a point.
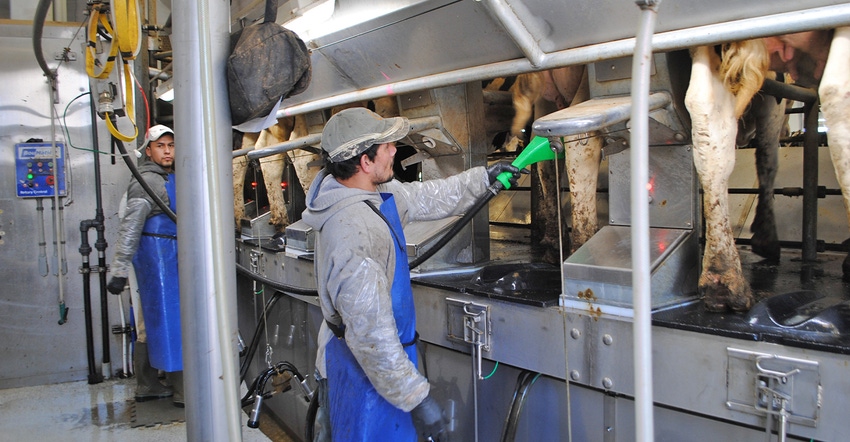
(126, 42)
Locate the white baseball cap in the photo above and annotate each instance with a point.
(155, 133)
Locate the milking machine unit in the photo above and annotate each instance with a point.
(599, 273)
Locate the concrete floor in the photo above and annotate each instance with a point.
(77, 411)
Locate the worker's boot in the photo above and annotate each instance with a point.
(175, 378)
(148, 386)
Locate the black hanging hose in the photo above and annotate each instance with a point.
(312, 412)
(255, 339)
(275, 284)
(494, 189)
(524, 381)
(37, 32)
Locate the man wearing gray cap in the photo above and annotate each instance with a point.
(374, 390)
(147, 238)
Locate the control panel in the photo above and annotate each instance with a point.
(39, 171)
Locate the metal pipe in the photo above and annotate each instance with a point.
(42, 241)
(507, 17)
(790, 91)
(810, 183)
(816, 18)
(201, 41)
(286, 146)
(85, 270)
(639, 156)
(416, 125)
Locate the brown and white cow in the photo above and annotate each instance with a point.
(272, 168)
(306, 163)
(537, 94)
(721, 87)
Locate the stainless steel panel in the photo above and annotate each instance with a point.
(418, 39)
(300, 236)
(600, 272)
(592, 115)
(293, 267)
(421, 234)
(754, 380)
(690, 386)
(36, 349)
(672, 187)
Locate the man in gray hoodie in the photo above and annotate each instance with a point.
(374, 389)
(147, 238)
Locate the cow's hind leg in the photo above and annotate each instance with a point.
(240, 165)
(714, 126)
(769, 119)
(834, 94)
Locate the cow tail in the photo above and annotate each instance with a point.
(743, 69)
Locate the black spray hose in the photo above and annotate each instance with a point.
(312, 412)
(524, 382)
(37, 32)
(135, 171)
(275, 284)
(255, 339)
(492, 191)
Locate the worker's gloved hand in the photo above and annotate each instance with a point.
(428, 420)
(116, 285)
(503, 166)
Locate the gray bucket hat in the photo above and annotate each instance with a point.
(351, 131)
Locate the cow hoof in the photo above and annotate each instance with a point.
(720, 297)
(767, 248)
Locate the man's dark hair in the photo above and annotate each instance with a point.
(344, 170)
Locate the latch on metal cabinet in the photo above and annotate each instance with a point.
(469, 322)
(777, 387)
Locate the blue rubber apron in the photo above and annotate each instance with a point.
(155, 263)
(357, 411)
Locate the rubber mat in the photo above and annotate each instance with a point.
(155, 412)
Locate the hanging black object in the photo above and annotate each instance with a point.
(268, 62)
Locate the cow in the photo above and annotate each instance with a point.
(540, 93)
(305, 162)
(272, 168)
(713, 92)
(723, 83)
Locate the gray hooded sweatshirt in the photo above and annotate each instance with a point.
(140, 207)
(355, 262)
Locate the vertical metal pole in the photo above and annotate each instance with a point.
(810, 182)
(639, 156)
(205, 225)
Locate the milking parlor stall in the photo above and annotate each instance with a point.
(671, 268)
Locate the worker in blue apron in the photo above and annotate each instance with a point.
(147, 244)
(156, 270)
(367, 359)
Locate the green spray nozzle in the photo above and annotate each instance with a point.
(538, 149)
